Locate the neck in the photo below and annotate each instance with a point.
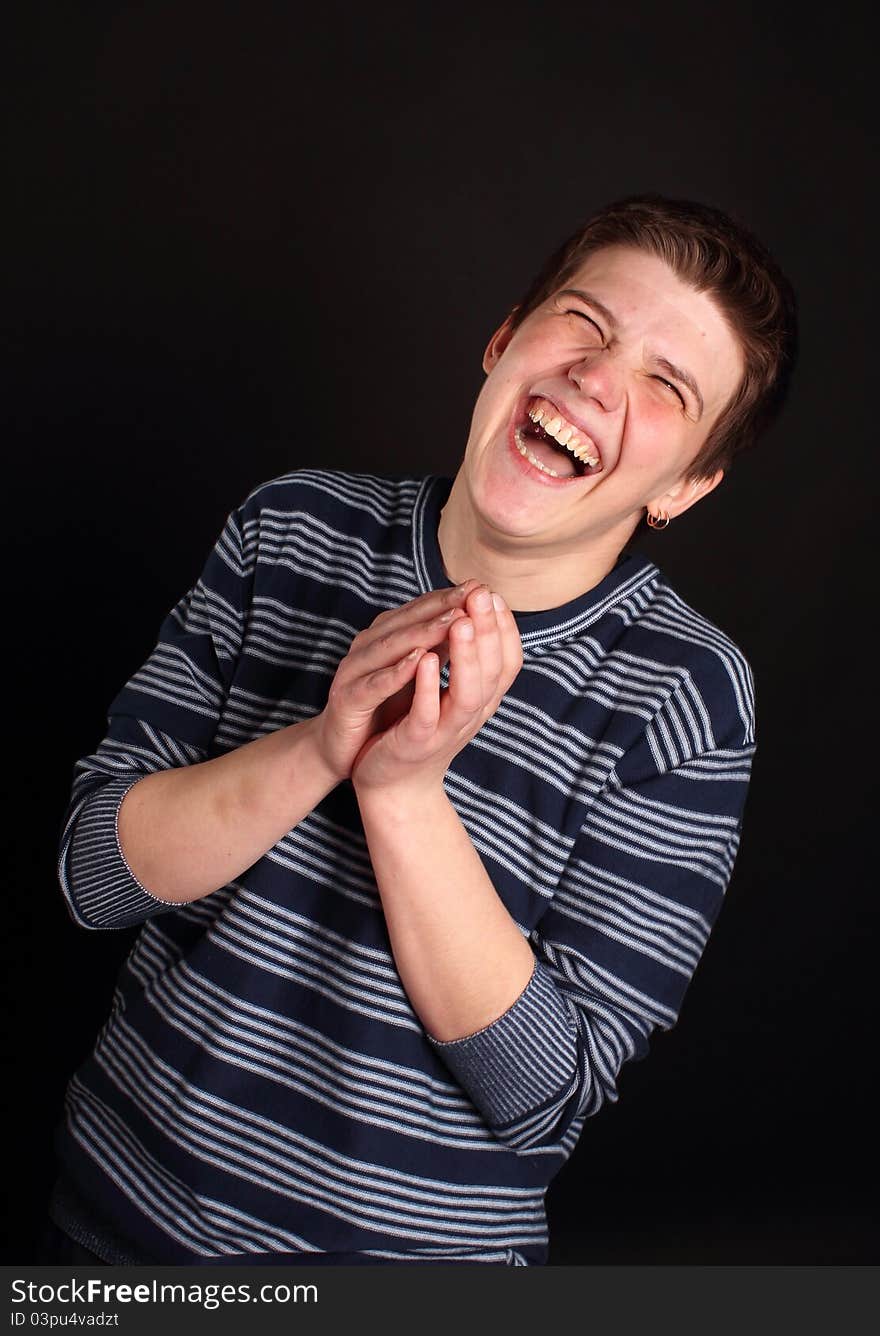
(530, 576)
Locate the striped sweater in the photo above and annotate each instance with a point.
(262, 1088)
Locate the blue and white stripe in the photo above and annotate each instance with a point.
(263, 1085)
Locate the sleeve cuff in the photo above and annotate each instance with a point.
(103, 892)
(523, 1059)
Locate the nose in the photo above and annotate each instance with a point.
(597, 378)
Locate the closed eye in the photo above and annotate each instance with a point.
(590, 321)
(675, 390)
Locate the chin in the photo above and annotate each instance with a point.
(499, 503)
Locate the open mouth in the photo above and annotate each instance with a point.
(553, 444)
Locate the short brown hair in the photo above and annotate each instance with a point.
(719, 256)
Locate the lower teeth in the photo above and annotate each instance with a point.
(532, 460)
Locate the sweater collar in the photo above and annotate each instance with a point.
(631, 572)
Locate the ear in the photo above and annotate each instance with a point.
(683, 494)
(498, 342)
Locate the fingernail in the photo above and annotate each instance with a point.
(498, 603)
(483, 600)
(466, 630)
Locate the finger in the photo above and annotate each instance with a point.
(442, 651)
(425, 606)
(481, 610)
(390, 645)
(511, 644)
(366, 692)
(464, 698)
(424, 713)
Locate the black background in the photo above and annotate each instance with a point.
(241, 239)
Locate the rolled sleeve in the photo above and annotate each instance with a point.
(108, 893)
(521, 1060)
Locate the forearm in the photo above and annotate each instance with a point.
(461, 957)
(185, 832)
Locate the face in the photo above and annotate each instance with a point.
(626, 365)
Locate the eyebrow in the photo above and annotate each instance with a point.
(676, 372)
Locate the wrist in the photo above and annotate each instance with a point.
(309, 737)
(403, 801)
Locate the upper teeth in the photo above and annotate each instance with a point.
(556, 426)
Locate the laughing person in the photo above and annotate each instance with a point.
(428, 796)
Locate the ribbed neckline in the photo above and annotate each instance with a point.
(633, 569)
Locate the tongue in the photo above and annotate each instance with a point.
(555, 457)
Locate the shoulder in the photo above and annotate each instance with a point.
(337, 497)
(714, 671)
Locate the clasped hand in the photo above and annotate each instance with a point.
(386, 723)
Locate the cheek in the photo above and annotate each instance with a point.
(497, 392)
(491, 408)
(650, 436)
(489, 399)
(654, 446)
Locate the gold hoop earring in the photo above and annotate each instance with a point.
(658, 521)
